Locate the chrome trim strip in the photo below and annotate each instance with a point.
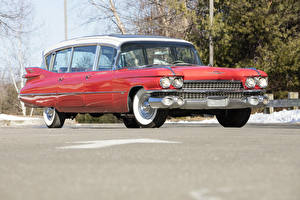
(79, 45)
(208, 81)
(203, 91)
(170, 90)
(70, 93)
(97, 57)
(38, 94)
(140, 68)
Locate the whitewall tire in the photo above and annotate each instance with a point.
(53, 118)
(145, 115)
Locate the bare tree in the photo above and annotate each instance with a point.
(107, 10)
(17, 45)
(11, 12)
(172, 18)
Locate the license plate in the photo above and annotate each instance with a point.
(217, 102)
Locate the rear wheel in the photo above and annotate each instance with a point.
(144, 114)
(53, 118)
(234, 117)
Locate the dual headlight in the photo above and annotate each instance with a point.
(166, 82)
(251, 82)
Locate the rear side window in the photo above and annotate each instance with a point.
(48, 59)
(107, 58)
(61, 62)
(83, 58)
(46, 62)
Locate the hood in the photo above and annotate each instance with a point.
(215, 73)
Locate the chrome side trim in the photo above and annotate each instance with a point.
(70, 93)
(38, 94)
(164, 67)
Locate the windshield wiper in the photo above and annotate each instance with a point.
(181, 63)
(151, 65)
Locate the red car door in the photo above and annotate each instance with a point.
(98, 84)
(70, 85)
(98, 91)
(70, 92)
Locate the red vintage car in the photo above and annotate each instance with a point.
(141, 79)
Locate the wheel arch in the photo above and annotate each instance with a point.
(130, 96)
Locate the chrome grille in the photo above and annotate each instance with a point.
(203, 95)
(213, 85)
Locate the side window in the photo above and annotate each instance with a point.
(185, 54)
(132, 58)
(106, 59)
(61, 61)
(46, 62)
(48, 59)
(83, 58)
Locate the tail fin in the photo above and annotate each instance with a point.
(35, 72)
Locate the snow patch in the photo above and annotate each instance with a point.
(15, 118)
(285, 116)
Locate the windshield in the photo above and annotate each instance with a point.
(143, 54)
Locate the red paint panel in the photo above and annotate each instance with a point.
(70, 85)
(98, 86)
(125, 79)
(42, 84)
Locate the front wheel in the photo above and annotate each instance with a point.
(144, 114)
(130, 122)
(234, 117)
(53, 118)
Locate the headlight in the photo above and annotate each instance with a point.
(262, 82)
(177, 82)
(250, 83)
(165, 82)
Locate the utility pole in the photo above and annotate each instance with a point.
(211, 47)
(66, 19)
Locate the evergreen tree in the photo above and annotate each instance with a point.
(253, 33)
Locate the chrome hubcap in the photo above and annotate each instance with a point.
(145, 110)
(49, 113)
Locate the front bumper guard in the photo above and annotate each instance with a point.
(213, 102)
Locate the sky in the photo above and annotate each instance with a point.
(49, 18)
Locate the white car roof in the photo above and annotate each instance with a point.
(114, 40)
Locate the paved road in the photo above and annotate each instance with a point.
(196, 162)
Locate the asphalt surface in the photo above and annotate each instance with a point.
(184, 162)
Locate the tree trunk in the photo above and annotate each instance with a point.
(117, 17)
(22, 69)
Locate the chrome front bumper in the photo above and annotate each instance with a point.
(213, 102)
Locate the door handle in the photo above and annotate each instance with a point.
(61, 79)
(87, 77)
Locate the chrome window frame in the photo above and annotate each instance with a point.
(54, 53)
(97, 56)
